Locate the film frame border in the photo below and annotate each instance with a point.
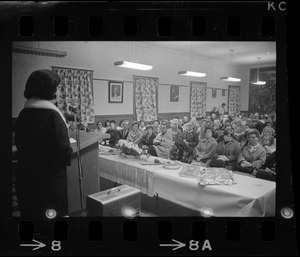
(147, 30)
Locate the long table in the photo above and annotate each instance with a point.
(249, 197)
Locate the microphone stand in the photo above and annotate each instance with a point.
(79, 162)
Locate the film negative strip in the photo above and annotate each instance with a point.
(158, 213)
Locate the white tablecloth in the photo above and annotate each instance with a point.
(249, 197)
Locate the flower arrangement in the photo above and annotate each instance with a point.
(129, 148)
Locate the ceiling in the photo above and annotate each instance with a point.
(244, 53)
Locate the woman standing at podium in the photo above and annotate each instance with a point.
(44, 150)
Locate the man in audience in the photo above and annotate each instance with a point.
(125, 129)
(253, 156)
(227, 150)
(162, 143)
(148, 138)
(114, 134)
(187, 142)
(155, 126)
(176, 119)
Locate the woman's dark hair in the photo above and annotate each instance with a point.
(134, 123)
(42, 84)
(253, 131)
(209, 128)
(106, 122)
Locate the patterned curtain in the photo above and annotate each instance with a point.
(198, 99)
(76, 88)
(145, 97)
(234, 99)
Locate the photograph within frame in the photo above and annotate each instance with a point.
(115, 92)
(174, 93)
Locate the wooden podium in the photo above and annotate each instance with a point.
(89, 152)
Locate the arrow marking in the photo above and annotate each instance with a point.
(37, 246)
(179, 244)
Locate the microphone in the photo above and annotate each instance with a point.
(73, 109)
(71, 117)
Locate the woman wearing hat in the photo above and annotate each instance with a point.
(44, 150)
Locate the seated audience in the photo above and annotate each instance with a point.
(135, 135)
(125, 129)
(185, 120)
(142, 127)
(253, 156)
(201, 129)
(174, 130)
(186, 143)
(270, 145)
(227, 150)
(120, 125)
(99, 128)
(114, 134)
(266, 134)
(162, 143)
(148, 138)
(205, 150)
(176, 119)
(107, 124)
(156, 127)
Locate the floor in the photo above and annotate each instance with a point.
(154, 206)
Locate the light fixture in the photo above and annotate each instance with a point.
(258, 82)
(191, 72)
(133, 64)
(228, 78)
(37, 51)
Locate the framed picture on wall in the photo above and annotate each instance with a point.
(223, 92)
(214, 93)
(115, 92)
(174, 93)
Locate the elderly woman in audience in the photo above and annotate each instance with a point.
(174, 130)
(205, 150)
(187, 142)
(227, 150)
(270, 145)
(114, 134)
(162, 142)
(135, 135)
(253, 156)
(99, 128)
(148, 138)
(266, 133)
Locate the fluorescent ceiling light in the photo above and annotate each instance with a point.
(191, 73)
(37, 51)
(230, 79)
(133, 65)
(259, 82)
